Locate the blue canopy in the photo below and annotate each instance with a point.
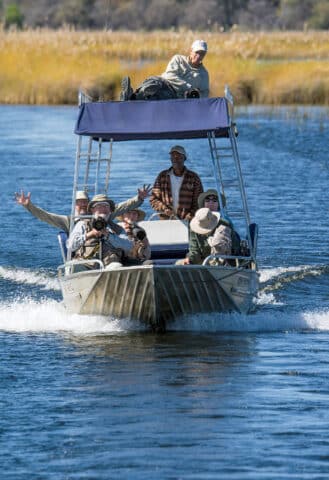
(145, 120)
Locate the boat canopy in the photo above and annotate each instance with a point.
(147, 120)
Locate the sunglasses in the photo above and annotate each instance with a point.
(211, 199)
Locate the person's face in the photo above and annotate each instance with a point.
(196, 58)
(130, 217)
(211, 202)
(101, 210)
(81, 207)
(177, 161)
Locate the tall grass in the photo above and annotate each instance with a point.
(48, 67)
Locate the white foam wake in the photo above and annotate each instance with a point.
(258, 322)
(51, 316)
(269, 274)
(30, 277)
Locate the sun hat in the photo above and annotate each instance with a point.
(204, 195)
(204, 221)
(179, 149)
(141, 214)
(81, 195)
(101, 198)
(199, 46)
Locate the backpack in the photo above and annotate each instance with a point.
(155, 88)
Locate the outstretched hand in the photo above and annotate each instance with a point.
(144, 192)
(23, 199)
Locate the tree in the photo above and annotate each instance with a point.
(320, 15)
(13, 16)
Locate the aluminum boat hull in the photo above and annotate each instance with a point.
(159, 294)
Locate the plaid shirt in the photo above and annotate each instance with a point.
(191, 187)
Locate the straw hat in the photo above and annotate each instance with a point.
(141, 214)
(204, 221)
(101, 198)
(81, 195)
(211, 191)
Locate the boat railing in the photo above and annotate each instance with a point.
(82, 265)
(219, 260)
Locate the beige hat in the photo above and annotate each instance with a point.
(101, 198)
(141, 214)
(199, 46)
(204, 221)
(210, 191)
(81, 195)
(179, 149)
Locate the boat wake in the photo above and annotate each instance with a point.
(49, 316)
(30, 277)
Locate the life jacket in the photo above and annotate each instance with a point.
(91, 247)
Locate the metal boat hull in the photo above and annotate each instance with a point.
(159, 294)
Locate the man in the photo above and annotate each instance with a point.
(211, 231)
(185, 77)
(62, 222)
(92, 239)
(176, 190)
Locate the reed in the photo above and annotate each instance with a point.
(48, 67)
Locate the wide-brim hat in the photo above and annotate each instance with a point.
(204, 221)
(179, 149)
(141, 214)
(81, 195)
(101, 198)
(211, 191)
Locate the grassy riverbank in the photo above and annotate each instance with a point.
(48, 67)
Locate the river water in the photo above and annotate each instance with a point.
(238, 397)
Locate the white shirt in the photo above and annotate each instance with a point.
(176, 183)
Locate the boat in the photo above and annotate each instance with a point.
(162, 292)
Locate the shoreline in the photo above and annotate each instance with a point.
(47, 67)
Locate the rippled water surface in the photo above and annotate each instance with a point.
(239, 397)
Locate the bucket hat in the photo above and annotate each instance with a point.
(101, 198)
(204, 221)
(210, 191)
(81, 195)
(141, 214)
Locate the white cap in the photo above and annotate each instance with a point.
(199, 45)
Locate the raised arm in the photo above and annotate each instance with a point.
(62, 222)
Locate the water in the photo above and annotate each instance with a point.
(239, 397)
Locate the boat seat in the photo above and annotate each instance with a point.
(168, 239)
(62, 237)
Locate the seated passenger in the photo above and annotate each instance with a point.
(199, 248)
(209, 234)
(185, 76)
(95, 239)
(176, 190)
(141, 250)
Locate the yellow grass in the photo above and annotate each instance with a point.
(48, 67)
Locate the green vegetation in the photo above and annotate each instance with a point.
(48, 67)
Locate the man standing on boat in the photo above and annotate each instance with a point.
(176, 190)
(62, 222)
(185, 77)
(94, 239)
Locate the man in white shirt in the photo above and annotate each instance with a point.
(185, 77)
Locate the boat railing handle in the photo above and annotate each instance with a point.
(68, 265)
(237, 258)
